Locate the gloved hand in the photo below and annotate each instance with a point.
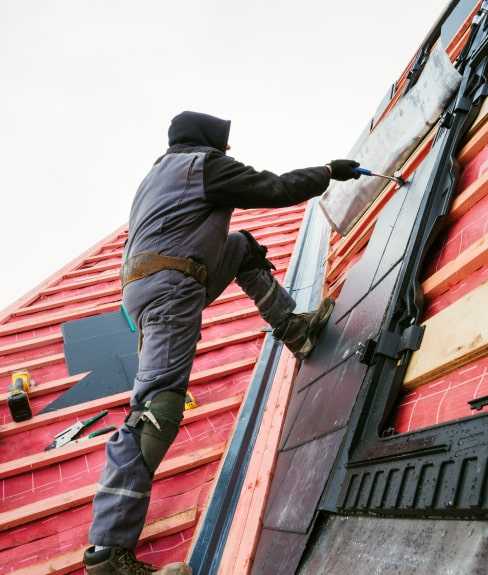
(343, 170)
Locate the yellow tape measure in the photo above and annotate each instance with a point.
(190, 401)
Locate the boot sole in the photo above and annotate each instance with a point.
(323, 315)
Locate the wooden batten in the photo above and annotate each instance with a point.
(72, 560)
(81, 447)
(471, 259)
(118, 399)
(474, 146)
(32, 363)
(455, 336)
(82, 495)
(49, 386)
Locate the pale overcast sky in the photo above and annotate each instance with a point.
(88, 88)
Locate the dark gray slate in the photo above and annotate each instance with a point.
(300, 476)
(104, 346)
(278, 553)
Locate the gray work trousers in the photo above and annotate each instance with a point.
(167, 308)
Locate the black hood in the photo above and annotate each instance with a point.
(196, 129)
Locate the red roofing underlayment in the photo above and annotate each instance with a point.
(446, 398)
(46, 496)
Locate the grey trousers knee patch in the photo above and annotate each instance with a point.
(167, 408)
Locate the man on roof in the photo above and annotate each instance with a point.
(179, 257)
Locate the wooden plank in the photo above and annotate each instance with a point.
(56, 318)
(104, 256)
(68, 286)
(118, 253)
(202, 347)
(120, 244)
(86, 311)
(81, 447)
(26, 344)
(472, 258)
(46, 305)
(264, 223)
(269, 214)
(115, 400)
(246, 524)
(50, 386)
(114, 276)
(475, 192)
(72, 560)
(92, 270)
(474, 146)
(76, 497)
(232, 316)
(87, 297)
(455, 336)
(74, 412)
(32, 363)
(219, 343)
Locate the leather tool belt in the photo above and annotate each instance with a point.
(148, 263)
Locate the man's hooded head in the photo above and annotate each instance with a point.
(194, 129)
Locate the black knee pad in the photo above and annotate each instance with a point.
(257, 255)
(166, 412)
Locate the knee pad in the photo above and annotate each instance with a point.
(161, 421)
(256, 258)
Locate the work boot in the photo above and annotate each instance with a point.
(300, 331)
(119, 561)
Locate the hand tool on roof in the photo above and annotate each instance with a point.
(18, 396)
(365, 172)
(70, 433)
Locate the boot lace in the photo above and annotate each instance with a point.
(128, 560)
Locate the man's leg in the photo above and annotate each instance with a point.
(245, 260)
(171, 328)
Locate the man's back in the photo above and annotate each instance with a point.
(171, 214)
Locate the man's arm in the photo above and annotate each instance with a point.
(229, 183)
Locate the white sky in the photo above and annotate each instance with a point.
(88, 89)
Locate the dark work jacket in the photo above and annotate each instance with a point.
(184, 205)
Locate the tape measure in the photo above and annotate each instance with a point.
(190, 401)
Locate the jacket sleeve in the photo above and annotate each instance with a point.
(229, 183)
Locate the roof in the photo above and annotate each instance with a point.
(46, 495)
(281, 493)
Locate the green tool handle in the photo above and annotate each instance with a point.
(128, 319)
(92, 420)
(101, 431)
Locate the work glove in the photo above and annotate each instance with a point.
(343, 170)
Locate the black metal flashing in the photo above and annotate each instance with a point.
(440, 471)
